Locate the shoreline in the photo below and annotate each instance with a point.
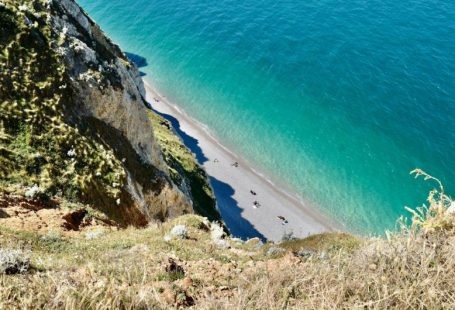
(232, 185)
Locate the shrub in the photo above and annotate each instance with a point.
(13, 261)
(437, 215)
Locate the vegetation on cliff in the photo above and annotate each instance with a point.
(60, 165)
(38, 145)
(74, 124)
(184, 168)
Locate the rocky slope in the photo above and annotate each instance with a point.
(74, 122)
(190, 262)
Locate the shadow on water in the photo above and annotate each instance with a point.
(224, 193)
(138, 60)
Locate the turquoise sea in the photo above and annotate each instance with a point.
(337, 99)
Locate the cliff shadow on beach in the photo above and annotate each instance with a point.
(229, 208)
(232, 213)
(224, 193)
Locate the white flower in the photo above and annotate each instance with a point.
(71, 153)
(23, 8)
(32, 191)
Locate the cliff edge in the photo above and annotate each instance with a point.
(74, 122)
(81, 158)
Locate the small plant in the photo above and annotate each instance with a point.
(170, 276)
(52, 236)
(52, 241)
(177, 232)
(94, 234)
(435, 216)
(173, 272)
(13, 261)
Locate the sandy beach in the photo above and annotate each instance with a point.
(233, 184)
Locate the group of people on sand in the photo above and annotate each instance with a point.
(256, 204)
(234, 164)
(282, 219)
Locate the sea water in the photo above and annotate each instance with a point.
(340, 100)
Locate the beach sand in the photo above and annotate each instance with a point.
(232, 184)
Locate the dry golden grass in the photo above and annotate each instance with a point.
(137, 269)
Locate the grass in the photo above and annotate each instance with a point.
(46, 140)
(184, 168)
(410, 269)
(129, 258)
(324, 242)
(129, 269)
(35, 134)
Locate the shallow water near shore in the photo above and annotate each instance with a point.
(338, 100)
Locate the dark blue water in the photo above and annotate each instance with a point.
(339, 99)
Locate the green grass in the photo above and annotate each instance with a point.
(35, 134)
(410, 269)
(184, 167)
(324, 242)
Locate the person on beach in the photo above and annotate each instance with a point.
(283, 219)
(256, 204)
(235, 164)
(253, 192)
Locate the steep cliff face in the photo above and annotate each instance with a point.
(74, 121)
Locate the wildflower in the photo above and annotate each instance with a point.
(71, 153)
(32, 191)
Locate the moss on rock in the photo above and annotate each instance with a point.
(184, 169)
(74, 121)
(38, 144)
